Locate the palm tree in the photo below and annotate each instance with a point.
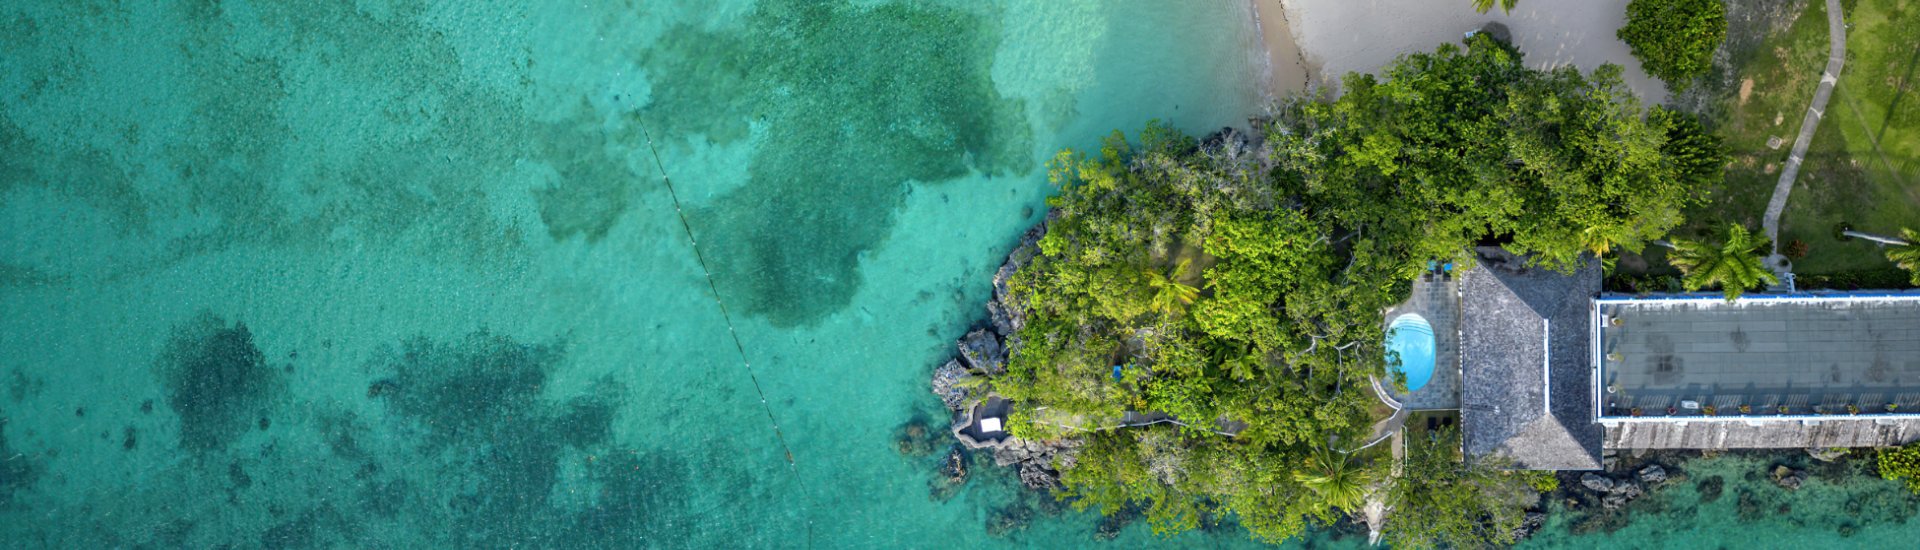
(1483, 5)
(1337, 481)
(1736, 266)
(1169, 294)
(1907, 255)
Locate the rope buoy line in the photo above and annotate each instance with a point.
(792, 466)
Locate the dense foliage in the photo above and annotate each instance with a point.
(1901, 464)
(1483, 5)
(1735, 265)
(1238, 283)
(1674, 39)
(1443, 498)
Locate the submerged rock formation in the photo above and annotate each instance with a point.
(1789, 478)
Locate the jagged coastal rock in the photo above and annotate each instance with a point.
(955, 467)
(984, 353)
(1653, 474)
(947, 383)
(1533, 522)
(1597, 483)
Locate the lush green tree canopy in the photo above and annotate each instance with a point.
(1674, 39)
(1901, 464)
(1242, 280)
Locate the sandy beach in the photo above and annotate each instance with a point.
(1339, 36)
(1287, 71)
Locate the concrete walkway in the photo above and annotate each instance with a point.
(1836, 55)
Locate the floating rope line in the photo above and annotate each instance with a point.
(792, 466)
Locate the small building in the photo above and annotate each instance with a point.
(1526, 375)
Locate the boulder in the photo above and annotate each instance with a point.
(1017, 451)
(945, 385)
(954, 468)
(1793, 482)
(1596, 482)
(1789, 478)
(1002, 319)
(1627, 489)
(1529, 525)
(1653, 474)
(1613, 501)
(981, 351)
(1035, 476)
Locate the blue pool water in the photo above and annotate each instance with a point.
(1412, 339)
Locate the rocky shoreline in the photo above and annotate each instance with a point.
(983, 353)
(1607, 500)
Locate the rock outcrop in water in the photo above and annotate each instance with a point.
(1789, 478)
(951, 383)
(984, 352)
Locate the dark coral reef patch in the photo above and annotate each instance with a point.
(856, 102)
(216, 380)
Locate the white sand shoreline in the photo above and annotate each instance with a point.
(1335, 37)
(1287, 71)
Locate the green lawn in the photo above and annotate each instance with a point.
(1873, 121)
(1863, 166)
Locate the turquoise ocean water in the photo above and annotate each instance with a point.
(406, 274)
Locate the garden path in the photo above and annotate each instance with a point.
(1836, 56)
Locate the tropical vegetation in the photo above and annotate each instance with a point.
(1901, 464)
(1674, 39)
(1735, 265)
(1241, 279)
(1907, 256)
(1445, 499)
(1483, 6)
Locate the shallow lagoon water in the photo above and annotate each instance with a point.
(405, 274)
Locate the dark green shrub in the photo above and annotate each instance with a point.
(1674, 39)
(1902, 465)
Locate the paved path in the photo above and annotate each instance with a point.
(1836, 55)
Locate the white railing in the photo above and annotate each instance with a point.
(1756, 418)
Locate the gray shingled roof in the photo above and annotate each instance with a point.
(1504, 344)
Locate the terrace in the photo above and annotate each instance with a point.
(1794, 357)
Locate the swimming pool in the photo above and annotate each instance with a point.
(1412, 338)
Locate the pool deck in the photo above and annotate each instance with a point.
(1812, 356)
(1438, 301)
